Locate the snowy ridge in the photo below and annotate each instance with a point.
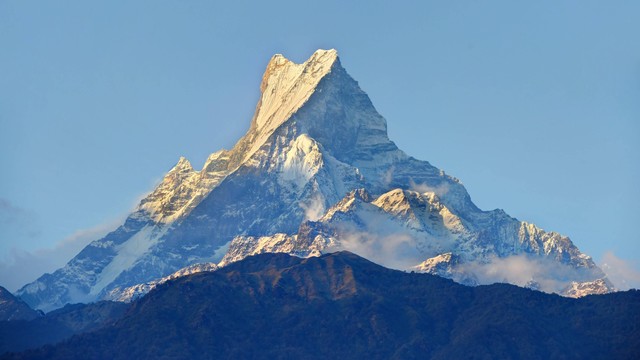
(440, 264)
(183, 188)
(580, 289)
(126, 255)
(137, 291)
(242, 245)
(285, 87)
(447, 265)
(400, 227)
(315, 172)
(92, 273)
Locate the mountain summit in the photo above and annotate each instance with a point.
(316, 173)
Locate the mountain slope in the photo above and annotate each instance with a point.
(134, 292)
(12, 308)
(343, 306)
(57, 325)
(315, 137)
(401, 228)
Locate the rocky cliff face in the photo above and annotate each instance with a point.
(316, 172)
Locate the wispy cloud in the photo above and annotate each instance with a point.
(439, 190)
(16, 222)
(623, 274)
(377, 237)
(388, 176)
(314, 208)
(395, 251)
(20, 266)
(549, 274)
(520, 269)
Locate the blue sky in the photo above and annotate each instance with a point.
(533, 105)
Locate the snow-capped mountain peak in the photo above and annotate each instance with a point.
(182, 165)
(286, 86)
(315, 172)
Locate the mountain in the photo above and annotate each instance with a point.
(57, 325)
(315, 172)
(343, 306)
(131, 293)
(12, 308)
(400, 227)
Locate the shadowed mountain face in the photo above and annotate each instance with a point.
(343, 306)
(295, 183)
(12, 308)
(57, 325)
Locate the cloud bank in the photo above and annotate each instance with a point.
(623, 274)
(549, 276)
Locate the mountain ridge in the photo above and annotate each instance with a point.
(315, 136)
(340, 305)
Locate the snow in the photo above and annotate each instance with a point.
(325, 176)
(346, 204)
(243, 246)
(422, 211)
(437, 264)
(183, 188)
(302, 161)
(127, 254)
(286, 86)
(580, 289)
(183, 164)
(134, 292)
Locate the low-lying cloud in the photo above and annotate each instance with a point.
(623, 274)
(314, 209)
(550, 276)
(375, 236)
(395, 251)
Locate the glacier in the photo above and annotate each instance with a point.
(316, 172)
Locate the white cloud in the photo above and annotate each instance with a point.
(395, 251)
(623, 274)
(551, 276)
(387, 178)
(519, 270)
(378, 238)
(314, 209)
(439, 190)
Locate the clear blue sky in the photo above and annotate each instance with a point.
(535, 106)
